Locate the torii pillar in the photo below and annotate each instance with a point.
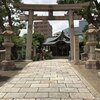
(74, 43)
(29, 36)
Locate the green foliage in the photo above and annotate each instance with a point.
(85, 28)
(47, 55)
(91, 13)
(66, 1)
(35, 42)
(16, 30)
(8, 14)
(18, 45)
(37, 39)
(85, 39)
(17, 40)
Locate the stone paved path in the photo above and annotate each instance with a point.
(48, 80)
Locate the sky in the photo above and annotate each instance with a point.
(56, 25)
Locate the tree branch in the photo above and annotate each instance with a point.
(8, 11)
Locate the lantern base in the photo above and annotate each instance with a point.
(92, 64)
(7, 65)
(99, 74)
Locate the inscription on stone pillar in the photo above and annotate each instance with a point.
(29, 36)
(76, 49)
(71, 31)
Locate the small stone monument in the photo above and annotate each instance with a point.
(7, 63)
(91, 33)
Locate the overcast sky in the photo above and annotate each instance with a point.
(57, 25)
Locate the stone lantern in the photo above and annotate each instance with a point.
(91, 33)
(7, 63)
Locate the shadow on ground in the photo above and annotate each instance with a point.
(6, 75)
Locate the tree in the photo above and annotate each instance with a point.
(8, 13)
(66, 1)
(18, 45)
(38, 39)
(91, 13)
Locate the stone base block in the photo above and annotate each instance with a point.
(7, 65)
(76, 63)
(92, 64)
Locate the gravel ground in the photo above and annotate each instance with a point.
(91, 75)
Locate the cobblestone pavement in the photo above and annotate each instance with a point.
(48, 80)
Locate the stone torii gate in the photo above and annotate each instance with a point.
(31, 8)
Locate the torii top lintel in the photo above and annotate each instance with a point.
(54, 7)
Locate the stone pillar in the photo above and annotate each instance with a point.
(7, 64)
(34, 51)
(91, 32)
(76, 49)
(29, 36)
(71, 31)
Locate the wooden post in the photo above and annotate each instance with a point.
(29, 36)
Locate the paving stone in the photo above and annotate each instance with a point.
(6, 89)
(15, 81)
(57, 78)
(2, 95)
(48, 99)
(15, 95)
(65, 81)
(25, 90)
(40, 85)
(16, 78)
(22, 85)
(58, 95)
(83, 90)
(97, 98)
(8, 85)
(48, 90)
(70, 90)
(76, 85)
(77, 81)
(6, 99)
(33, 82)
(47, 80)
(71, 99)
(41, 79)
(24, 99)
(27, 79)
(81, 96)
(36, 95)
(57, 85)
